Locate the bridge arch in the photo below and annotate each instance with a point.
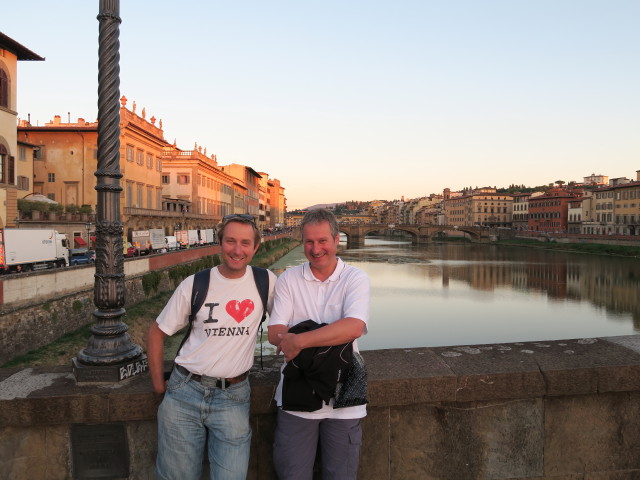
(419, 233)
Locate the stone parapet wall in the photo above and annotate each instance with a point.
(538, 410)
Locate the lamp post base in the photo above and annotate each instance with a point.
(109, 373)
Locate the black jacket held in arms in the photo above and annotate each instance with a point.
(311, 377)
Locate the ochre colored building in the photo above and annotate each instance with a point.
(482, 207)
(193, 179)
(16, 170)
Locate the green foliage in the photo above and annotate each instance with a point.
(46, 306)
(274, 249)
(591, 248)
(180, 272)
(56, 208)
(71, 208)
(28, 206)
(77, 306)
(85, 209)
(151, 281)
(70, 343)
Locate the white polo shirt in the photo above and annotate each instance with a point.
(301, 296)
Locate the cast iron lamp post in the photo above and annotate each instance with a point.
(110, 355)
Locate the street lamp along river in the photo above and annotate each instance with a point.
(110, 356)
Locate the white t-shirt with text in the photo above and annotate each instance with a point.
(224, 332)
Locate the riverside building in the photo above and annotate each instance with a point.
(16, 164)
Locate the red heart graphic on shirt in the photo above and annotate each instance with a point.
(239, 310)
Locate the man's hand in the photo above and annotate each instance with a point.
(289, 345)
(161, 388)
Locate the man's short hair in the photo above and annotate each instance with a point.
(320, 215)
(239, 218)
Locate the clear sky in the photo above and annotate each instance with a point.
(360, 99)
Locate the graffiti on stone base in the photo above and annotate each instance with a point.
(133, 369)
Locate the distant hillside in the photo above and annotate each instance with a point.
(321, 205)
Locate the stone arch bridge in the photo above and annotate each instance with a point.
(421, 234)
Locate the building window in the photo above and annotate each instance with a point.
(140, 157)
(11, 171)
(139, 192)
(149, 161)
(165, 179)
(183, 179)
(23, 183)
(51, 196)
(129, 194)
(4, 88)
(22, 154)
(149, 197)
(51, 177)
(3, 156)
(130, 153)
(158, 165)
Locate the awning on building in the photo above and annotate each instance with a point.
(80, 242)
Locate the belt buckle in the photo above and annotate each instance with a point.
(210, 382)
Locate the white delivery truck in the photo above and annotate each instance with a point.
(206, 236)
(183, 238)
(25, 249)
(193, 238)
(156, 238)
(171, 242)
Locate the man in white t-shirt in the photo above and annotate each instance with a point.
(206, 399)
(328, 291)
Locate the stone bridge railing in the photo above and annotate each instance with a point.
(539, 410)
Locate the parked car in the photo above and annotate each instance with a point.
(130, 250)
(81, 256)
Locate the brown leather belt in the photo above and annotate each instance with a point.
(212, 381)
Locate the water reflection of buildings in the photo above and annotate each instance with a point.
(613, 284)
(614, 287)
(607, 282)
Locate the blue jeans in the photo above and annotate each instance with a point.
(192, 416)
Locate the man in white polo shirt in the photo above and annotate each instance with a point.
(327, 291)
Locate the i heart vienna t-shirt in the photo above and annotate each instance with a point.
(224, 332)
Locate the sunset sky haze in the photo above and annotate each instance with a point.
(360, 100)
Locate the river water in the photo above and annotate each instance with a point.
(463, 294)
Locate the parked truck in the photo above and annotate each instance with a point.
(193, 238)
(156, 238)
(206, 236)
(183, 238)
(171, 242)
(141, 242)
(26, 249)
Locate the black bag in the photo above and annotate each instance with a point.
(353, 390)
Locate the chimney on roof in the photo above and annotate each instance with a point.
(56, 120)
(81, 122)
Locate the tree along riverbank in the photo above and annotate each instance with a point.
(139, 316)
(590, 248)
